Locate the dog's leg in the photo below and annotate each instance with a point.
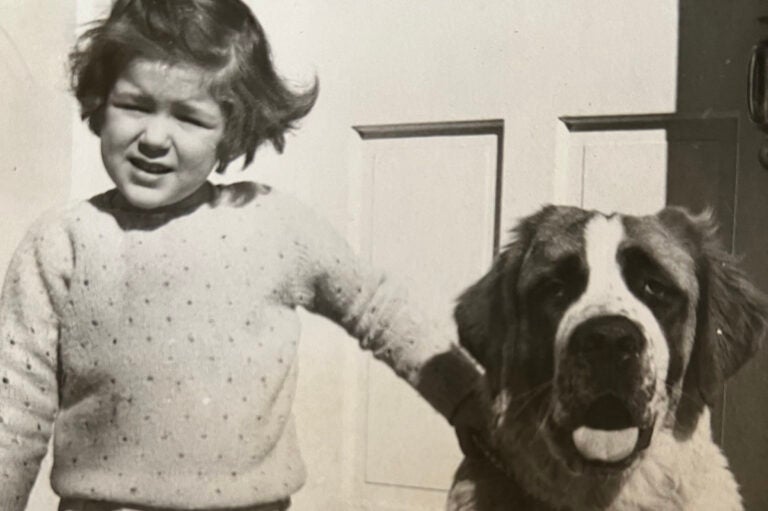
(479, 486)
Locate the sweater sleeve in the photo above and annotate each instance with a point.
(28, 361)
(376, 309)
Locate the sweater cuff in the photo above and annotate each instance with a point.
(447, 379)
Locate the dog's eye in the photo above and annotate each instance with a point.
(555, 289)
(655, 289)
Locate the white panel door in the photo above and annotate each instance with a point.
(428, 206)
(614, 171)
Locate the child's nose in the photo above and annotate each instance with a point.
(155, 140)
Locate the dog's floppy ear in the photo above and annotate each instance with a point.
(732, 320)
(731, 313)
(480, 314)
(485, 312)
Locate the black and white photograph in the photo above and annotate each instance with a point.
(383, 255)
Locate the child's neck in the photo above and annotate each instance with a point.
(198, 197)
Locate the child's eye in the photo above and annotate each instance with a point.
(135, 107)
(192, 120)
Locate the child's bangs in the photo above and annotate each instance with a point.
(173, 32)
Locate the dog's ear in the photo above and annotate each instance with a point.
(732, 320)
(732, 313)
(485, 312)
(479, 314)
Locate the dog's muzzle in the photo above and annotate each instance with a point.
(608, 348)
(604, 393)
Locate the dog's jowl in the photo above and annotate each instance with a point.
(605, 340)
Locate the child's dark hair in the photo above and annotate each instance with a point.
(222, 36)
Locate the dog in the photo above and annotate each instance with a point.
(605, 340)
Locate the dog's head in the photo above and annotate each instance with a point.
(596, 331)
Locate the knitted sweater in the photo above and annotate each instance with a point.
(163, 345)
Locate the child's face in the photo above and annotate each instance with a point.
(160, 133)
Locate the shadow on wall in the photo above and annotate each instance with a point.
(714, 48)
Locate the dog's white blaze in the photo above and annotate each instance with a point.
(608, 294)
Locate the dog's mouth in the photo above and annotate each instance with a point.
(608, 438)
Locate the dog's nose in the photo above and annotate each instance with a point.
(613, 337)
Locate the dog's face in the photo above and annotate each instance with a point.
(597, 331)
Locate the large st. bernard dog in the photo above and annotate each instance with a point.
(605, 340)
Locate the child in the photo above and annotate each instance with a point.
(156, 323)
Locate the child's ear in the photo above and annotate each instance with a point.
(732, 314)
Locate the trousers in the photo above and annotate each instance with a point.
(68, 504)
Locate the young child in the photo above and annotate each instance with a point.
(155, 324)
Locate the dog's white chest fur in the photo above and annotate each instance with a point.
(678, 475)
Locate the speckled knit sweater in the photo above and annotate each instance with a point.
(163, 345)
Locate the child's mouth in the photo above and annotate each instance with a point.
(151, 168)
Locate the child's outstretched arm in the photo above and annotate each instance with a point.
(28, 360)
(376, 310)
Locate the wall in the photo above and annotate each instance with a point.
(35, 114)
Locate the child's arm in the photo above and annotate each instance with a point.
(378, 312)
(28, 361)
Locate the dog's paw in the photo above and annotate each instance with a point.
(461, 497)
(480, 486)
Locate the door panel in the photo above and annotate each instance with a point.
(619, 170)
(430, 218)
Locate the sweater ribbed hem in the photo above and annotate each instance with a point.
(76, 504)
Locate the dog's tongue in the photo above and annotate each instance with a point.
(604, 445)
